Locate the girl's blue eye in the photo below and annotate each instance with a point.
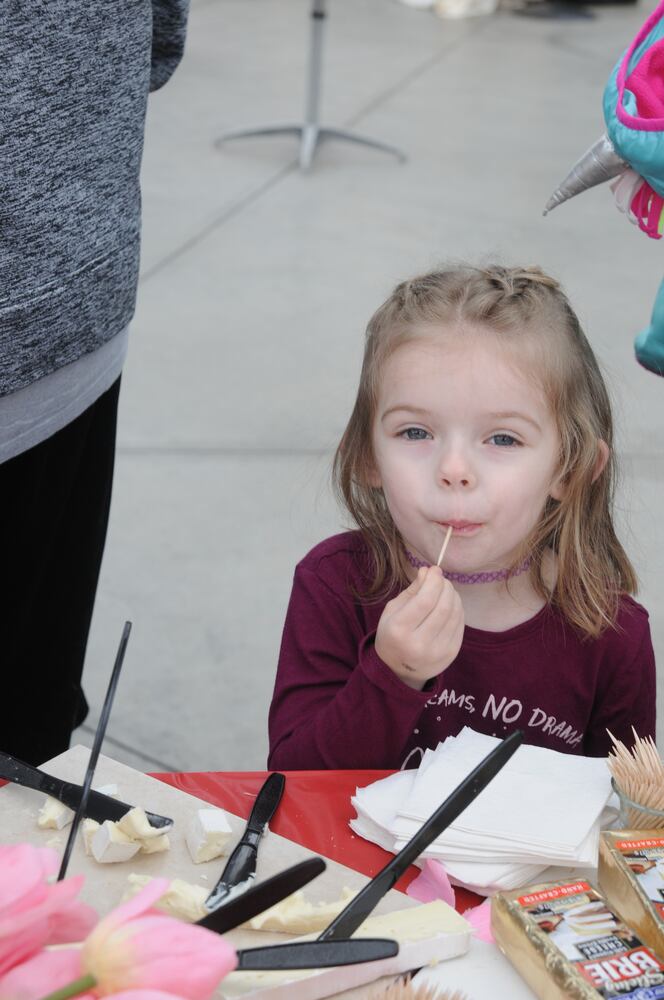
(503, 440)
(414, 434)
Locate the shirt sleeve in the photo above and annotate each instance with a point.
(335, 703)
(626, 699)
(169, 28)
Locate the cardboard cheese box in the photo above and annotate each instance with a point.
(568, 942)
(631, 876)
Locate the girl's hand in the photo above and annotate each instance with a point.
(419, 633)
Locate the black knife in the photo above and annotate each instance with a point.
(316, 954)
(100, 807)
(261, 897)
(100, 732)
(362, 905)
(241, 865)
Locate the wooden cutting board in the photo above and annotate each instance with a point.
(105, 883)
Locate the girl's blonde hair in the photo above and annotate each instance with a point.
(528, 314)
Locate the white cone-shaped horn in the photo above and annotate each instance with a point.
(600, 163)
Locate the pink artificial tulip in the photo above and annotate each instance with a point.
(135, 947)
(42, 974)
(34, 913)
(142, 995)
(51, 970)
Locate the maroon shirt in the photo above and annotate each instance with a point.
(336, 704)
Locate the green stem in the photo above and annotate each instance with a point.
(74, 989)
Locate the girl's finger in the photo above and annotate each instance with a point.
(406, 595)
(451, 623)
(439, 616)
(420, 605)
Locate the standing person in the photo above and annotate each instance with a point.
(75, 82)
(481, 408)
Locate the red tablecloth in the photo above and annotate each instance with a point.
(314, 812)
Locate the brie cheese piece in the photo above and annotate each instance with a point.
(181, 899)
(208, 834)
(427, 934)
(136, 825)
(110, 844)
(88, 829)
(152, 845)
(295, 915)
(53, 815)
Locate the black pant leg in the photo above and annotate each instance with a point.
(54, 507)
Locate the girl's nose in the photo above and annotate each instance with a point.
(454, 472)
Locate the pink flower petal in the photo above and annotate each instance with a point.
(142, 995)
(135, 947)
(55, 918)
(41, 975)
(24, 873)
(432, 883)
(479, 917)
(134, 907)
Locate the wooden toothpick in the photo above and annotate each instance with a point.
(450, 529)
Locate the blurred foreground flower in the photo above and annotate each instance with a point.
(34, 913)
(134, 953)
(136, 947)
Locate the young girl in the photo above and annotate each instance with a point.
(481, 407)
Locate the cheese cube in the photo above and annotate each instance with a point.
(53, 815)
(181, 899)
(208, 834)
(110, 844)
(137, 826)
(88, 829)
(152, 845)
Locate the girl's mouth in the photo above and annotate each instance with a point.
(461, 527)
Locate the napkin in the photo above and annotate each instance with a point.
(544, 808)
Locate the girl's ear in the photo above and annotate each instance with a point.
(557, 491)
(373, 477)
(602, 458)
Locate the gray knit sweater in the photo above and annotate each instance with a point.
(74, 82)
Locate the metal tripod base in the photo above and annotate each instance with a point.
(310, 136)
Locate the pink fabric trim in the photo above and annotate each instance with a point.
(636, 122)
(647, 208)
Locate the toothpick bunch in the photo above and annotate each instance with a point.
(639, 774)
(405, 989)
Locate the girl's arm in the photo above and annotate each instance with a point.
(335, 703)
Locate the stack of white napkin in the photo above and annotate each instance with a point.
(544, 808)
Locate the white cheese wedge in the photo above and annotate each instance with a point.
(109, 844)
(88, 829)
(295, 915)
(153, 845)
(208, 834)
(426, 934)
(53, 815)
(182, 899)
(136, 825)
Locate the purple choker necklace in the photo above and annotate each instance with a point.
(490, 577)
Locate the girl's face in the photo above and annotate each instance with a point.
(461, 437)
